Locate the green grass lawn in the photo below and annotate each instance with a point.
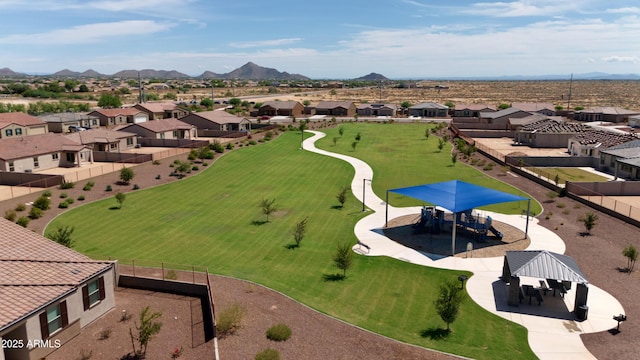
(213, 219)
(568, 174)
(400, 156)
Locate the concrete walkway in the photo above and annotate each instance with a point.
(553, 331)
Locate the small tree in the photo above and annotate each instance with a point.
(358, 137)
(109, 101)
(342, 195)
(335, 140)
(120, 199)
(556, 179)
(448, 302)
(126, 175)
(454, 158)
(300, 230)
(440, 144)
(343, 258)
(268, 207)
(353, 145)
(341, 130)
(426, 133)
(148, 328)
(62, 236)
(589, 220)
(182, 167)
(631, 253)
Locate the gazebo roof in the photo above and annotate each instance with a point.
(544, 264)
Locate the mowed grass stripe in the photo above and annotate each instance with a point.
(170, 224)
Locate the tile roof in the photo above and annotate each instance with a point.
(35, 271)
(157, 107)
(555, 125)
(334, 104)
(67, 116)
(280, 104)
(18, 118)
(103, 136)
(219, 117)
(115, 112)
(604, 138)
(377, 106)
(26, 146)
(429, 105)
(501, 113)
(474, 107)
(610, 110)
(163, 125)
(533, 106)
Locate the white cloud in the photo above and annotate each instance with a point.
(615, 58)
(91, 33)
(264, 43)
(542, 8)
(625, 10)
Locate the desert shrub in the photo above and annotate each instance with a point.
(23, 221)
(171, 165)
(136, 187)
(487, 167)
(158, 177)
(104, 334)
(69, 201)
(156, 162)
(229, 319)
(268, 354)
(195, 168)
(67, 185)
(252, 142)
(108, 188)
(566, 211)
(81, 198)
(217, 147)
(171, 275)
(63, 195)
(229, 146)
(10, 215)
(192, 156)
(176, 162)
(261, 140)
(47, 193)
(279, 332)
(561, 205)
(63, 205)
(42, 202)
(35, 212)
(88, 186)
(21, 207)
(205, 164)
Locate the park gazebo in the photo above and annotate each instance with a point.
(558, 270)
(457, 196)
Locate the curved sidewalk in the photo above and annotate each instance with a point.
(552, 331)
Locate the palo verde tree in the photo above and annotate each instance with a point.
(268, 207)
(126, 174)
(148, 328)
(62, 235)
(342, 195)
(341, 130)
(448, 302)
(343, 258)
(300, 230)
(631, 253)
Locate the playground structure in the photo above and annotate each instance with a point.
(434, 221)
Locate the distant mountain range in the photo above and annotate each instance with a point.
(251, 71)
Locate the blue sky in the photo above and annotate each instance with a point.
(328, 39)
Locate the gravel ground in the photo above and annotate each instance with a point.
(598, 254)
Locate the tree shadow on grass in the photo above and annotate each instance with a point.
(291, 246)
(584, 233)
(116, 207)
(258, 222)
(435, 333)
(337, 207)
(333, 277)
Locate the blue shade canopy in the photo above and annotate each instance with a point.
(457, 196)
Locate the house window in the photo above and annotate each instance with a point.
(53, 320)
(8, 132)
(12, 166)
(175, 134)
(18, 132)
(93, 293)
(36, 162)
(71, 157)
(113, 146)
(129, 141)
(55, 156)
(94, 122)
(601, 159)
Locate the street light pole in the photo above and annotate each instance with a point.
(363, 192)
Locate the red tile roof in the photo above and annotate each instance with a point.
(163, 125)
(18, 118)
(115, 112)
(98, 136)
(35, 271)
(26, 146)
(218, 117)
(157, 107)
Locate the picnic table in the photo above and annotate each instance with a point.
(557, 286)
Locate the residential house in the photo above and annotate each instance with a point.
(162, 129)
(281, 108)
(41, 152)
(428, 109)
(549, 132)
(634, 121)
(48, 292)
(501, 120)
(471, 110)
(536, 107)
(218, 120)
(605, 113)
(336, 108)
(70, 121)
(14, 124)
(377, 109)
(105, 140)
(622, 160)
(592, 142)
(113, 117)
(164, 110)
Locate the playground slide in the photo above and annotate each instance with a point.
(495, 232)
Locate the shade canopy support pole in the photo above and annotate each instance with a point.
(386, 210)
(453, 235)
(526, 229)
